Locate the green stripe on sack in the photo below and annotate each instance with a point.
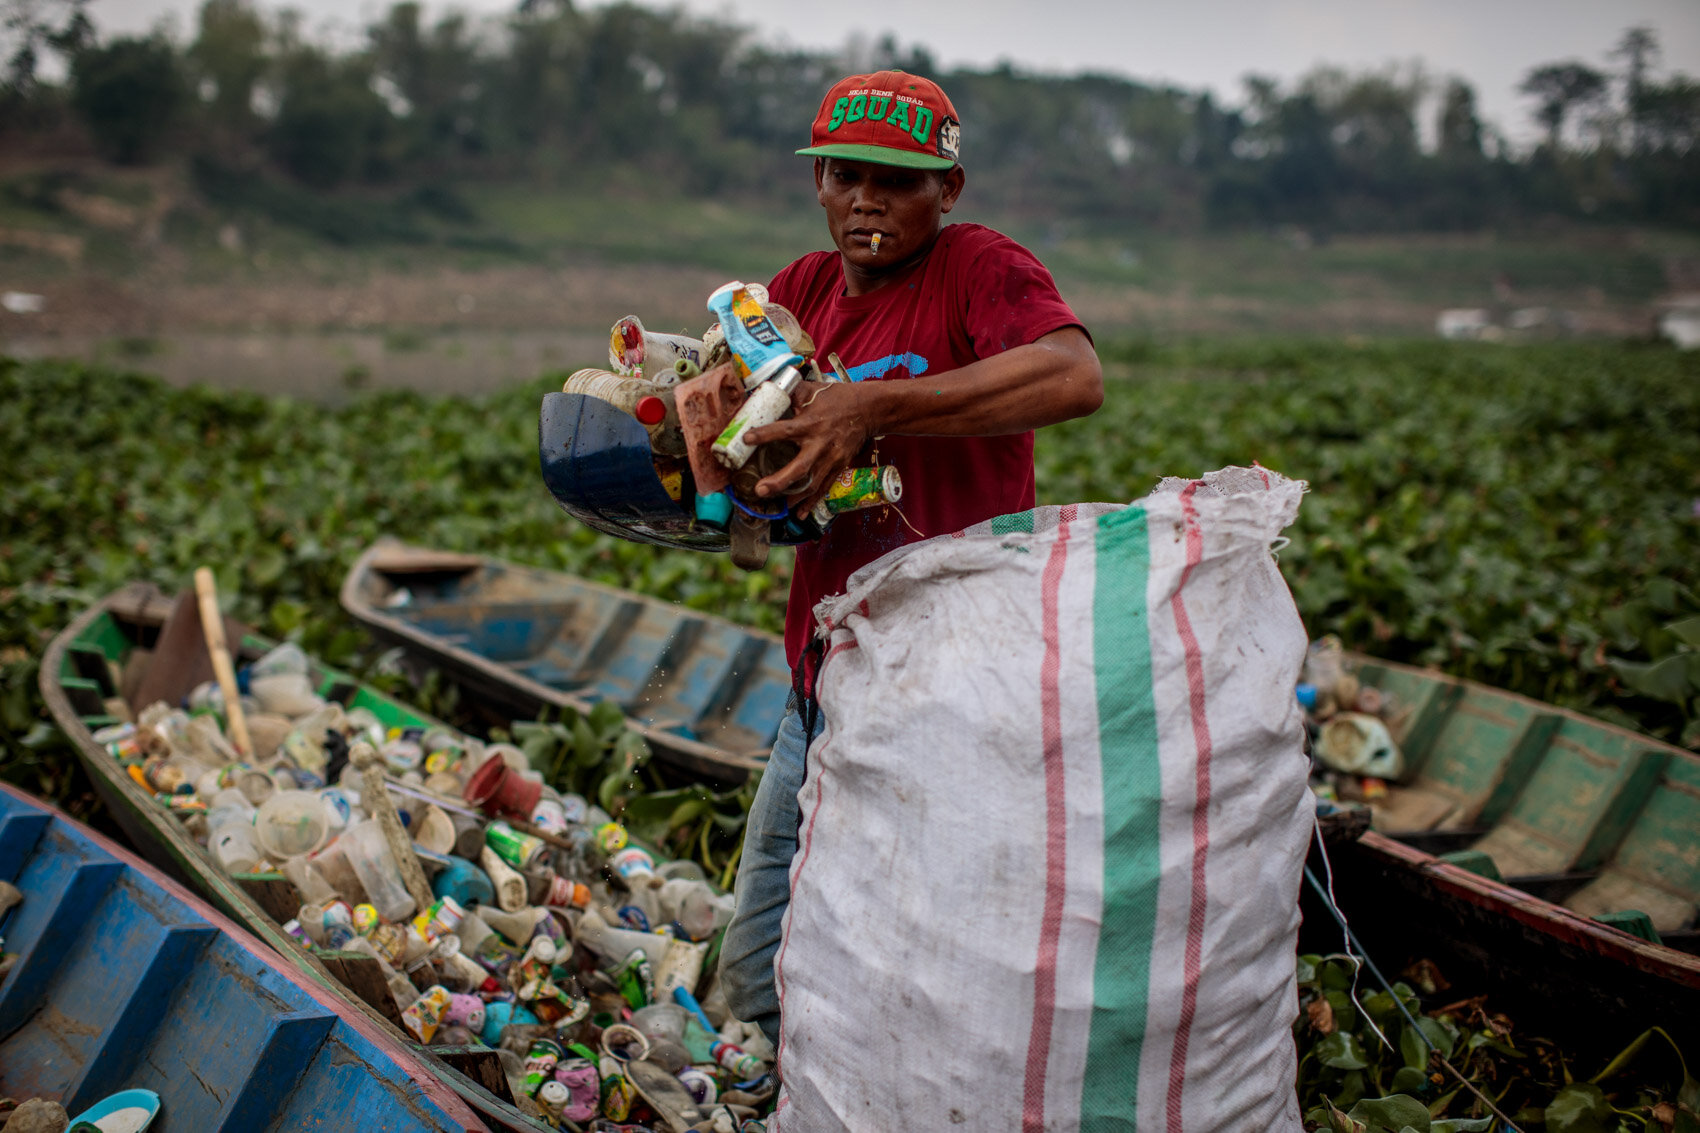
(1021, 521)
(1132, 786)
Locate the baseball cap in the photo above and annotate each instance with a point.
(890, 118)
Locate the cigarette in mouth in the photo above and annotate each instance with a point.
(874, 243)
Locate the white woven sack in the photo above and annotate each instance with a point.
(1052, 836)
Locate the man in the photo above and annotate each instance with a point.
(957, 346)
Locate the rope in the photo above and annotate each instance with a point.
(1360, 958)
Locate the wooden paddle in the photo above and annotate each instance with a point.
(206, 589)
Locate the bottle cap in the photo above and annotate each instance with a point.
(650, 410)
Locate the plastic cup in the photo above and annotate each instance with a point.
(292, 823)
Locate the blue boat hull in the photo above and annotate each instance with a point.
(706, 693)
(125, 980)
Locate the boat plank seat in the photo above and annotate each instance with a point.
(1467, 751)
(719, 667)
(1656, 867)
(758, 713)
(1577, 804)
(508, 631)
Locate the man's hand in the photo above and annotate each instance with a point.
(830, 428)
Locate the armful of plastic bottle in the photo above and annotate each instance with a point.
(1055, 378)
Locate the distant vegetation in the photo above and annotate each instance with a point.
(660, 101)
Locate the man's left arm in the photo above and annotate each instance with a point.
(1054, 378)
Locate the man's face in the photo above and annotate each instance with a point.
(904, 206)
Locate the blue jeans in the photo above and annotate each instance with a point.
(764, 879)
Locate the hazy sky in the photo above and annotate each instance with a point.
(1205, 43)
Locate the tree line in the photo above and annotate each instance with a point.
(562, 95)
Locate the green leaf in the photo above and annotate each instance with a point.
(606, 718)
(1393, 1114)
(651, 817)
(1342, 1051)
(1336, 975)
(588, 748)
(1408, 1080)
(1307, 964)
(1441, 1034)
(1345, 1011)
(1668, 679)
(1580, 1107)
(1328, 1117)
(1412, 1048)
(1687, 631)
(1463, 1125)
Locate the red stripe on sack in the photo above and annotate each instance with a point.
(1200, 813)
(1056, 842)
(808, 844)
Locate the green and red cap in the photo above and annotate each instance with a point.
(889, 118)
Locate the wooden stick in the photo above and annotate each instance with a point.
(379, 805)
(212, 624)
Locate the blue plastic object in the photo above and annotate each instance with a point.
(463, 881)
(597, 463)
(755, 340)
(714, 508)
(126, 981)
(127, 1111)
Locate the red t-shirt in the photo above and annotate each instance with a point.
(976, 294)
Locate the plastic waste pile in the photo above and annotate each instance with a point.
(1351, 728)
(499, 911)
(698, 399)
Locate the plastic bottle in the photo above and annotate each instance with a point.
(682, 967)
(206, 744)
(511, 889)
(661, 1021)
(334, 866)
(472, 930)
(696, 907)
(230, 832)
(615, 944)
(370, 857)
(518, 926)
(286, 694)
(308, 881)
(285, 658)
(305, 746)
(770, 401)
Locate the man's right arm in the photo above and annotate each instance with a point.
(1056, 378)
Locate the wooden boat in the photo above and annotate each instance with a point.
(705, 692)
(125, 980)
(1552, 858)
(84, 667)
(1599, 819)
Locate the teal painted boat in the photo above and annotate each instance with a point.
(1599, 819)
